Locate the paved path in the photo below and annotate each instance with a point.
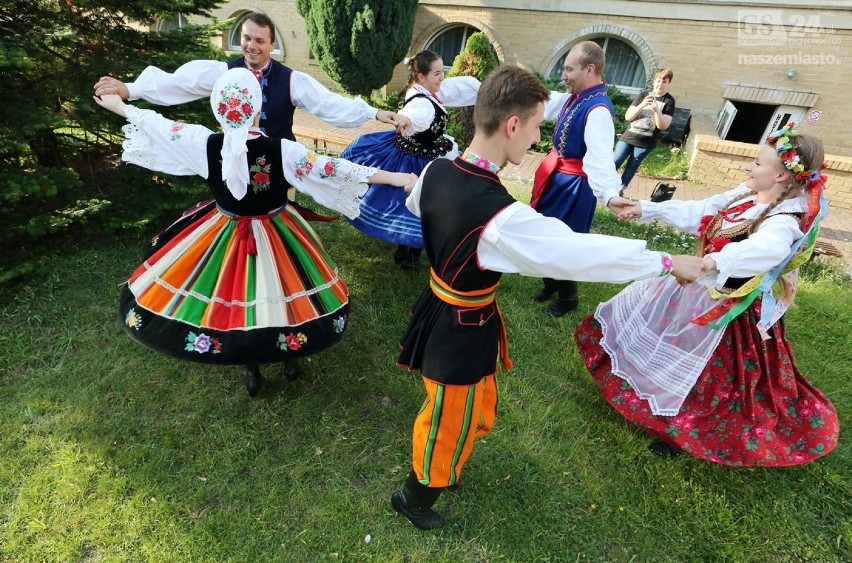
(836, 228)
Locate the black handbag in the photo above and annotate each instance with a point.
(662, 192)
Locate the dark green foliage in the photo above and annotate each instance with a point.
(392, 102)
(477, 59)
(358, 42)
(59, 173)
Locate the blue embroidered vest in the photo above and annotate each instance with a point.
(568, 138)
(276, 118)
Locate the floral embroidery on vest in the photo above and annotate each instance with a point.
(260, 174)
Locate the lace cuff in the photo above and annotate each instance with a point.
(139, 147)
(724, 264)
(650, 211)
(353, 186)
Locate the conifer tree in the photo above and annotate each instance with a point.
(359, 42)
(58, 150)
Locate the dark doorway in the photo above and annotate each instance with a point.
(750, 122)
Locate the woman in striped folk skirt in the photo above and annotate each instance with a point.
(243, 278)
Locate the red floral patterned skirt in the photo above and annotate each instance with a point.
(749, 407)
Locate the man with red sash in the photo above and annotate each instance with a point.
(474, 231)
(579, 172)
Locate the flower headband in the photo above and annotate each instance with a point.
(408, 60)
(788, 155)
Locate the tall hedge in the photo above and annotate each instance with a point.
(359, 42)
(477, 59)
(59, 171)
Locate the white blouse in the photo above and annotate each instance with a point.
(173, 147)
(458, 91)
(195, 80)
(520, 240)
(761, 251)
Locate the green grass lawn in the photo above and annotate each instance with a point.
(112, 452)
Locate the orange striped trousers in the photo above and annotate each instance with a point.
(451, 417)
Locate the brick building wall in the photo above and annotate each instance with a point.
(720, 163)
(700, 41)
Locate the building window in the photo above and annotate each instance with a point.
(749, 122)
(450, 42)
(171, 24)
(235, 36)
(624, 67)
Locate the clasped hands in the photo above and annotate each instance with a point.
(685, 268)
(400, 122)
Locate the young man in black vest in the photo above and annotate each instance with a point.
(473, 232)
(283, 88)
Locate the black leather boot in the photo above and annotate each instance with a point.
(292, 369)
(253, 379)
(415, 502)
(400, 255)
(414, 258)
(663, 449)
(566, 302)
(410, 257)
(547, 291)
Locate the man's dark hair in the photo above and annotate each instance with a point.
(262, 20)
(509, 90)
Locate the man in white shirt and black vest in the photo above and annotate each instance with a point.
(474, 231)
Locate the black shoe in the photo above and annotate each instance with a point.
(292, 370)
(561, 307)
(423, 518)
(663, 449)
(400, 255)
(253, 380)
(544, 294)
(410, 263)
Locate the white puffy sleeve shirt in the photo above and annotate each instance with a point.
(520, 240)
(195, 80)
(458, 91)
(173, 147)
(760, 252)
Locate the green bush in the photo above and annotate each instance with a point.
(358, 43)
(478, 60)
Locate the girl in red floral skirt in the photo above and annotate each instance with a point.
(706, 368)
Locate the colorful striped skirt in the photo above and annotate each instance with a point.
(225, 289)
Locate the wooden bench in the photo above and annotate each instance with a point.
(824, 248)
(327, 138)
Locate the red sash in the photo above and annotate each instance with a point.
(553, 163)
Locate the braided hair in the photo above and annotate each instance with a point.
(811, 156)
